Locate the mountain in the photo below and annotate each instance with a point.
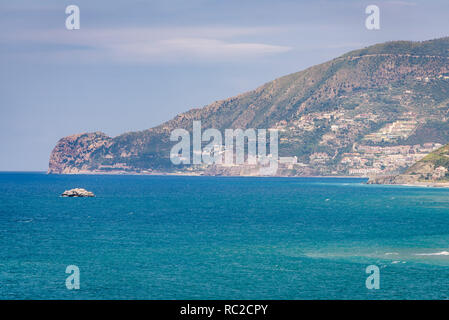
(433, 169)
(376, 110)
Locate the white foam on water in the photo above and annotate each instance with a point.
(25, 220)
(442, 253)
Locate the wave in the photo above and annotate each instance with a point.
(442, 253)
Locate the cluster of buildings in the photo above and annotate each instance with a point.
(379, 152)
(395, 131)
(382, 152)
(369, 160)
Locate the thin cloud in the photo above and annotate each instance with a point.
(151, 45)
(195, 48)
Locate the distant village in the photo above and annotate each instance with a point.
(377, 153)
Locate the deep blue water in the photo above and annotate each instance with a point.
(151, 237)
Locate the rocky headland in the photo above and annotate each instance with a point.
(371, 112)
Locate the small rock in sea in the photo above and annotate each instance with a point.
(77, 192)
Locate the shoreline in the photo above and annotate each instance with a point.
(442, 185)
(422, 185)
(118, 173)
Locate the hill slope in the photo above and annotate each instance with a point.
(433, 169)
(370, 111)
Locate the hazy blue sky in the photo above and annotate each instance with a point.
(134, 63)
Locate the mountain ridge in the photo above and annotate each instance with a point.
(364, 81)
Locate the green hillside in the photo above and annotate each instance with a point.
(337, 118)
(433, 167)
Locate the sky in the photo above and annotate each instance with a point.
(134, 64)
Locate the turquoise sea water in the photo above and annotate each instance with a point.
(150, 237)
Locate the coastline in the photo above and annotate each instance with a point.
(422, 184)
(179, 174)
(189, 174)
(407, 181)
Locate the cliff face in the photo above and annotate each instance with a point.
(338, 117)
(72, 154)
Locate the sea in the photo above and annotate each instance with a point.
(181, 237)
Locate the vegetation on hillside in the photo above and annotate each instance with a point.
(323, 111)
